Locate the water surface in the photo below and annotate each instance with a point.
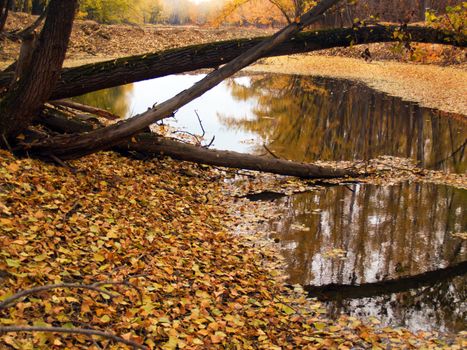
(303, 118)
(363, 234)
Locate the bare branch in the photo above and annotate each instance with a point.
(27, 31)
(85, 108)
(270, 152)
(211, 142)
(200, 123)
(88, 332)
(95, 287)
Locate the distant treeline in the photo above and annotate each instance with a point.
(240, 12)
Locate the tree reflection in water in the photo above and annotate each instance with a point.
(387, 233)
(306, 119)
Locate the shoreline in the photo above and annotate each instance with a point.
(431, 86)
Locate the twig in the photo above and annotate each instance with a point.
(88, 332)
(349, 188)
(73, 209)
(211, 142)
(5, 303)
(198, 141)
(6, 143)
(200, 123)
(61, 162)
(270, 152)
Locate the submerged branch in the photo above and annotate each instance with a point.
(367, 290)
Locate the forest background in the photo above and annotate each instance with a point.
(258, 13)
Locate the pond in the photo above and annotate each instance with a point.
(303, 118)
(396, 243)
(339, 237)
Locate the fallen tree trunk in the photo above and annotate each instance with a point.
(85, 108)
(152, 145)
(75, 146)
(93, 77)
(399, 285)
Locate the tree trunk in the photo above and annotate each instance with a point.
(26, 97)
(152, 145)
(93, 77)
(38, 7)
(149, 144)
(4, 9)
(76, 146)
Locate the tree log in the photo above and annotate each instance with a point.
(85, 108)
(152, 145)
(403, 284)
(97, 76)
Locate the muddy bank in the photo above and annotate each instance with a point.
(430, 85)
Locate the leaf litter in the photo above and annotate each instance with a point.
(167, 228)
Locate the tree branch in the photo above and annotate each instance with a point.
(95, 287)
(84, 331)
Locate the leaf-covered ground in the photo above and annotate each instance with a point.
(163, 227)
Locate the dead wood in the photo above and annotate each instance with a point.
(154, 145)
(85, 108)
(83, 331)
(148, 145)
(75, 146)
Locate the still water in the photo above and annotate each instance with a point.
(395, 242)
(303, 118)
(344, 236)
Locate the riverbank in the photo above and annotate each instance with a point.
(162, 229)
(440, 85)
(429, 85)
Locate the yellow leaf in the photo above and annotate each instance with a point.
(99, 257)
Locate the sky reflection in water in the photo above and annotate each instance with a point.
(303, 118)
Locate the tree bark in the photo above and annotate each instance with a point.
(152, 145)
(4, 9)
(93, 77)
(26, 97)
(72, 146)
(87, 109)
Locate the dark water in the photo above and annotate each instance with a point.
(304, 119)
(395, 233)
